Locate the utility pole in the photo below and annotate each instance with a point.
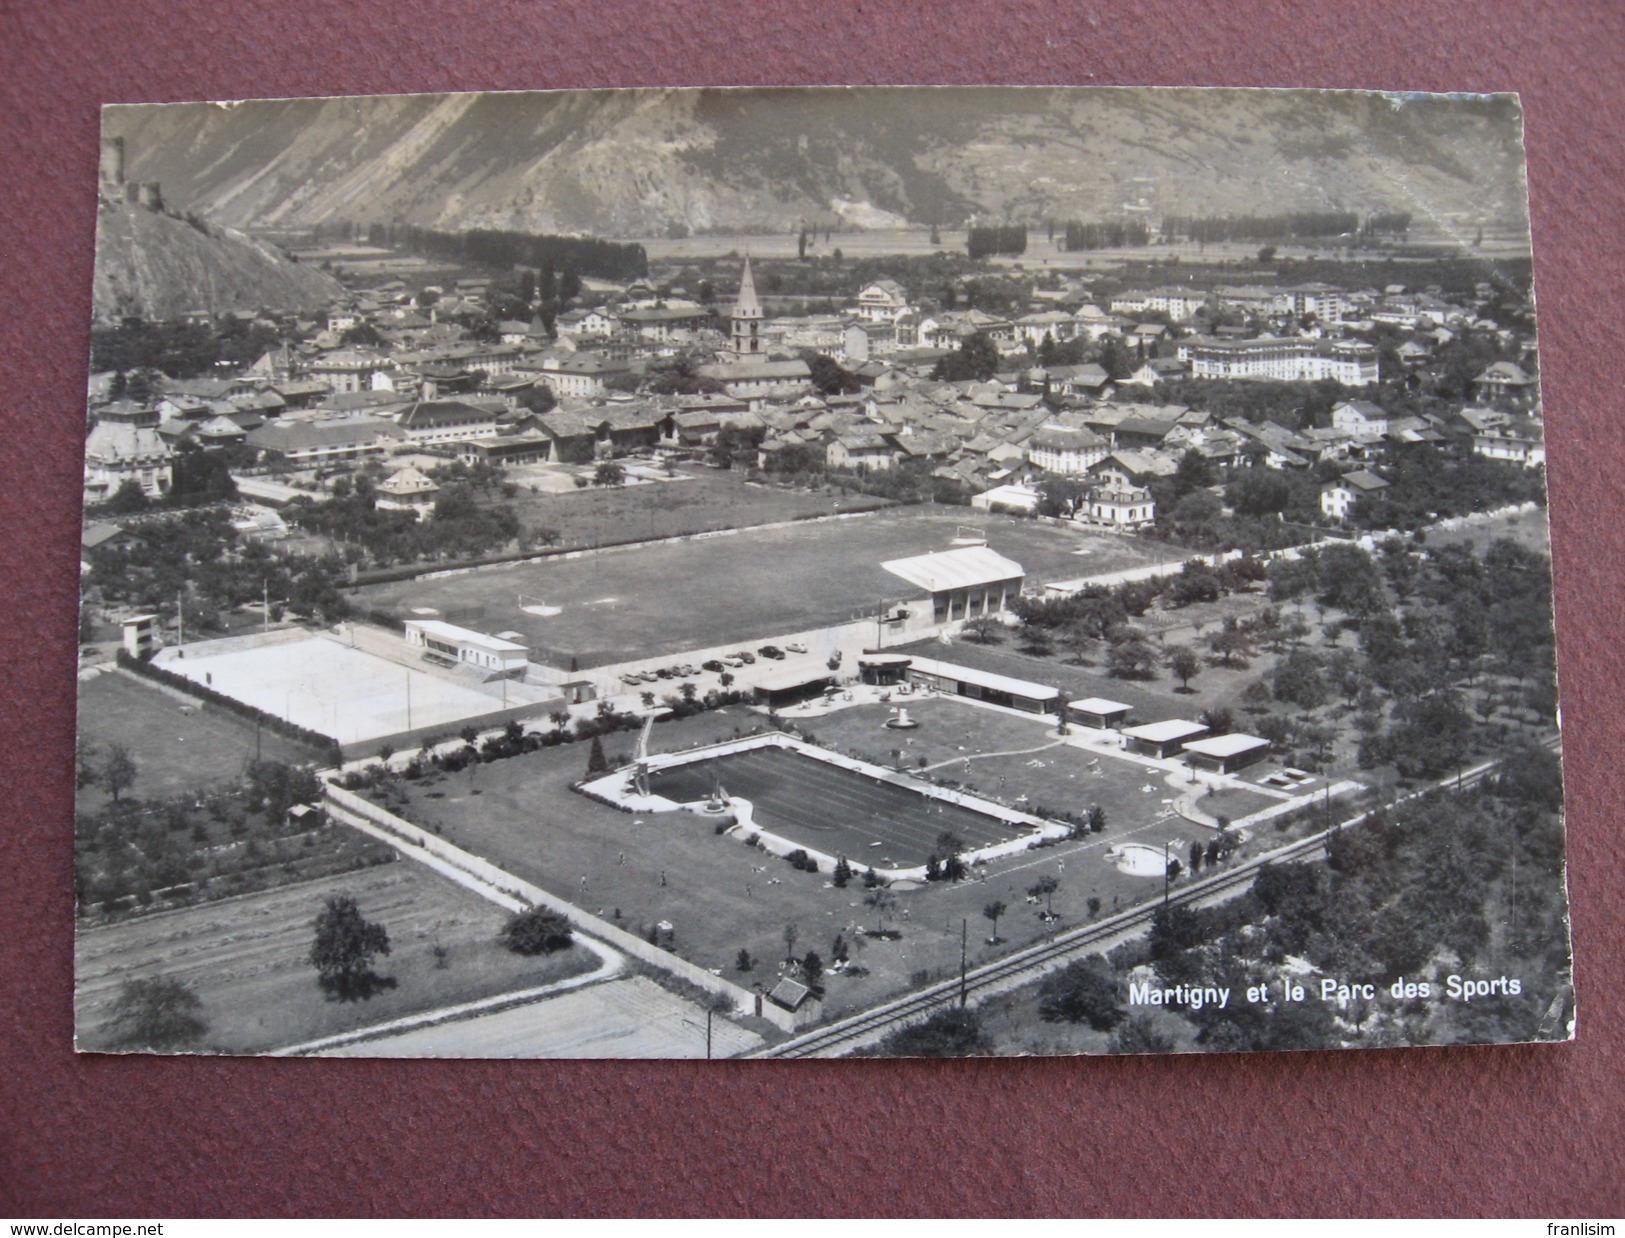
(267, 604)
(180, 618)
(964, 930)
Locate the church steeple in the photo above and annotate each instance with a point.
(746, 336)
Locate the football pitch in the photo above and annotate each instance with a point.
(834, 810)
(755, 584)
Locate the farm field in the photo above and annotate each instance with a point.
(745, 586)
(698, 500)
(177, 745)
(246, 959)
(722, 896)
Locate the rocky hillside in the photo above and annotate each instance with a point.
(154, 265)
(637, 162)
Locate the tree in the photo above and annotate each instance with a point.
(536, 930)
(812, 969)
(984, 630)
(1085, 991)
(842, 873)
(744, 962)
(156, 1015)
(951, 1032)
(881, 901)
(1045, 888)
(128, 499)
(609, 473)
(976, 359)
(993, 911)
(1095, 819)
(1131, 657)
(118, 770)
(345, 946)
(1185, 665)
(597, 762)
(791, 932)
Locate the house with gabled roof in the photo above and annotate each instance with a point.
(1337, 498)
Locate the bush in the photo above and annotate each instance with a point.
(1082, 992)
(536, 930)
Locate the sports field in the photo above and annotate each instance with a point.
(834, 810)
(330, 688)
(755, 584)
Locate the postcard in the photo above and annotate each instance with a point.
(819, 572)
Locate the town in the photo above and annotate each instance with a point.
(903, 641)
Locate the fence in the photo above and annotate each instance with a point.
(346, 802)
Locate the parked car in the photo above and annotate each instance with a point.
(631, 679)
(745, 655)
(771, 651)
(733, 660)
(796, 646)
(713, 666)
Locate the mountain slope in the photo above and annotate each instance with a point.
(636, 162)
(153, 265)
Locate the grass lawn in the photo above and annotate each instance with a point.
(722, 896)
(177, 746)
(246, 959)
(752, 585)
(698, 500)
(1154, 700)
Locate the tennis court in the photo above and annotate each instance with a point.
(837, 811)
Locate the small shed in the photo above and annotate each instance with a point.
(1225, 754)
(798, 999)
(883, 669)
(1162, 739)
(1098, 713)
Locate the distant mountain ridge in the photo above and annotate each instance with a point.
(640, 162)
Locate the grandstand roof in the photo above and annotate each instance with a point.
(966, 568)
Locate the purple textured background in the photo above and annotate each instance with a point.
(1474, 1131)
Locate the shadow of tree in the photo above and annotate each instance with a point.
(355, 986)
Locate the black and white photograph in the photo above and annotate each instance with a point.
(820, 572)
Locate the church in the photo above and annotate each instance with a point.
(743, 368)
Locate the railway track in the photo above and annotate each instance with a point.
(1032, 962)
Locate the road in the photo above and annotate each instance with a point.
(627, 1018)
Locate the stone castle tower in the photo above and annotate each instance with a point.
(746, 335)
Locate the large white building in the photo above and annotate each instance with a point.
(1067, 451)
(452, 645)
(1350, 362)
(117, 452)
(967, 583)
